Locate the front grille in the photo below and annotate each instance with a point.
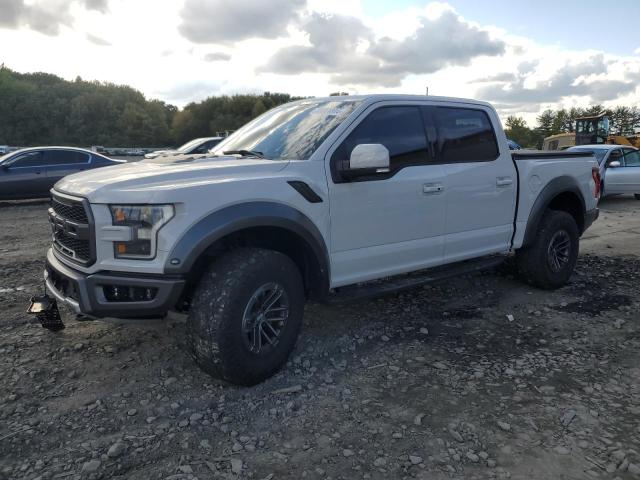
(72, 228)
(81, 248)
(71, 211)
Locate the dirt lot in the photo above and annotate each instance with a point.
(479, 377)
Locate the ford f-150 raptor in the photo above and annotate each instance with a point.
(327, 198)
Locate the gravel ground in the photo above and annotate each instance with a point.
(479, 377)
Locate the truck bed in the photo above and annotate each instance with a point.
(538, 170)
(541, 154)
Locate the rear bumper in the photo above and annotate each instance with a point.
(590, 217)
(85, 294)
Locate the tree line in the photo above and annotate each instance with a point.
(622, 121)
(43, 109)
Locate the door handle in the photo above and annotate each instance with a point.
(504, 181)
(432, 188)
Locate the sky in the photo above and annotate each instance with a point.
(522, 56)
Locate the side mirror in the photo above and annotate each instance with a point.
(614, 164)
(367, 159)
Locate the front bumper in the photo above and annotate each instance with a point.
(590, 217)
(85, 294)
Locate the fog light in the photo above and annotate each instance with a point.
(126, 293)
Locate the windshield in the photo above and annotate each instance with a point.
(190, 145)
(290, 132)
(600, 153)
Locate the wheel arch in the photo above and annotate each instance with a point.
(258, 224)
(562, 194)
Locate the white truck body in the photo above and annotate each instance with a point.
(442, 187)
(371, 229)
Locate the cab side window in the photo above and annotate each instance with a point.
(464, 135)
(400, 129)
(30, 159)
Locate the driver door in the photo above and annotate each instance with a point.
(386, 223)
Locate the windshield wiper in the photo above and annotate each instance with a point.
(244, 153)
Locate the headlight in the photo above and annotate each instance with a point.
(144, 221)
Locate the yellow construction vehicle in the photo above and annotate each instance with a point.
(595, 130)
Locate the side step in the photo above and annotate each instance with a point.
(394, 284)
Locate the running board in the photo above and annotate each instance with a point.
(398, 283)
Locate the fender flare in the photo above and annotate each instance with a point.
(216, 225)
(551, 190)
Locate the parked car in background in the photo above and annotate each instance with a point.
(4, 149)
(619, 167)
(199, 145)
(31, 172)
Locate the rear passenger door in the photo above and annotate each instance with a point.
(392, 222)
(481, 182)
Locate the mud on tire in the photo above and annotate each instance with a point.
(549, 262)
(231, 334)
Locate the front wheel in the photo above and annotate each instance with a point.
(549, 262)
(245, 315)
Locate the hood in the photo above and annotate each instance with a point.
(152, 180)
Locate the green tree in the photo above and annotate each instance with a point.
(545, 123)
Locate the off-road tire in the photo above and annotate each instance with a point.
(535, 263)
(215, 336)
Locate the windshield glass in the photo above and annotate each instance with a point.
(290, 132)
(600, 153)
(190, 145)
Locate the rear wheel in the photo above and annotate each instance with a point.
(246, 315)
(549, 262)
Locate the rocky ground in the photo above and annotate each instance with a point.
(479, 377)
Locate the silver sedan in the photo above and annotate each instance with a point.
(619, 168)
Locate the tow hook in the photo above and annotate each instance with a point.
(46, 311)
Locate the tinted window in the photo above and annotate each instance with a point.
(210, 144)
(464, 135)
(615, 156)
(31, 159)
(61, 157)
(400, 129)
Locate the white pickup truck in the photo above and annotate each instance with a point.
(328, 198)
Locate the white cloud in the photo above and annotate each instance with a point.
(44, 16)
(348, 50)
(217, 57)
(221, 21)
(185, 50)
